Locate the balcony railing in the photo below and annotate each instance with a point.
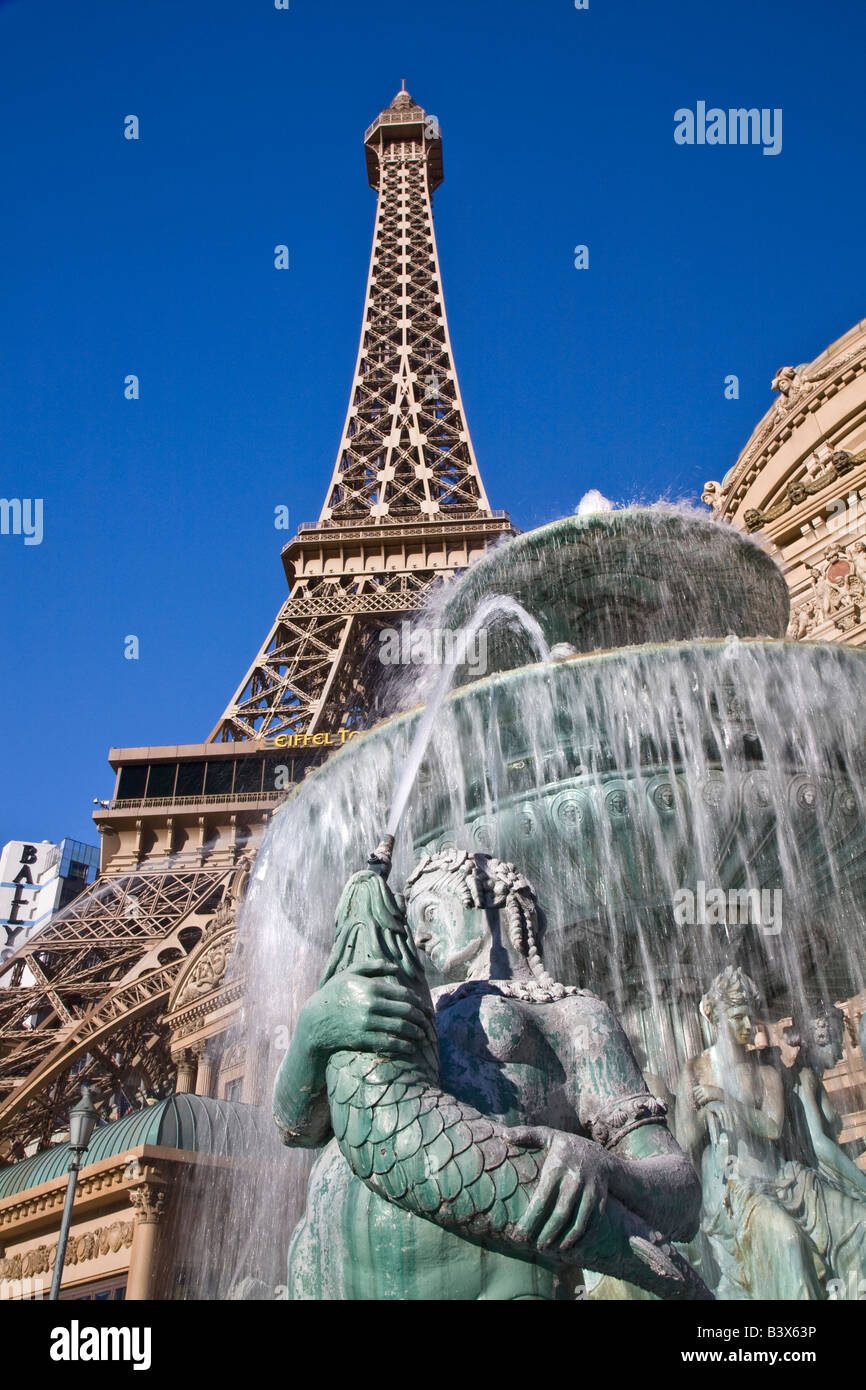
(445, 514)
(216, 799)
(410, 115)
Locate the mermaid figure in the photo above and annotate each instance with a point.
(485, 1143)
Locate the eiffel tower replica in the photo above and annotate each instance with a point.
(86, 999)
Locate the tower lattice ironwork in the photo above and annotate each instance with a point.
(405, 510)
(406, 497)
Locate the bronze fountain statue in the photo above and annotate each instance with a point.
(487, 1146)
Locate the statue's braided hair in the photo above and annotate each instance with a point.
(479, 880)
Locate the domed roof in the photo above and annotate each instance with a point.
(820, 408)
(194, 1123)
(800, 483)
(402, 99)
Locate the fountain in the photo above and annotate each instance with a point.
(684, 789)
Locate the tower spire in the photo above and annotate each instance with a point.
(405, 449)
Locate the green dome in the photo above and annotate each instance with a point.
(195, 1123)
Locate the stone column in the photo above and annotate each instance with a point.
(186, 1073)
(149, 1203)
(204, 1075)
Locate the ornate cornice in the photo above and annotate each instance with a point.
(89, 1245)
(107, 1185)
(802, 391)
(29, 1204)
(797, 492)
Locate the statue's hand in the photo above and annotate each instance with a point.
(571, 1191)
(365, 1009)
(725, 1115)
(706, 1095)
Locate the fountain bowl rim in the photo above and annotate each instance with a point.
(839, 650)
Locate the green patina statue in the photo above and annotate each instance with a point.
(784, 1208)
(815, 1127)
(485, 1148)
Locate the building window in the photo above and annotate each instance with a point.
(98, 1291)
(248, 775)
(160, 783)
(131, 782)
(218, 778)
(190, 779)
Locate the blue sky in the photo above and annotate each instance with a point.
(155, 257)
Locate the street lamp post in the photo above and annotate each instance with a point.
(82, 1119)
